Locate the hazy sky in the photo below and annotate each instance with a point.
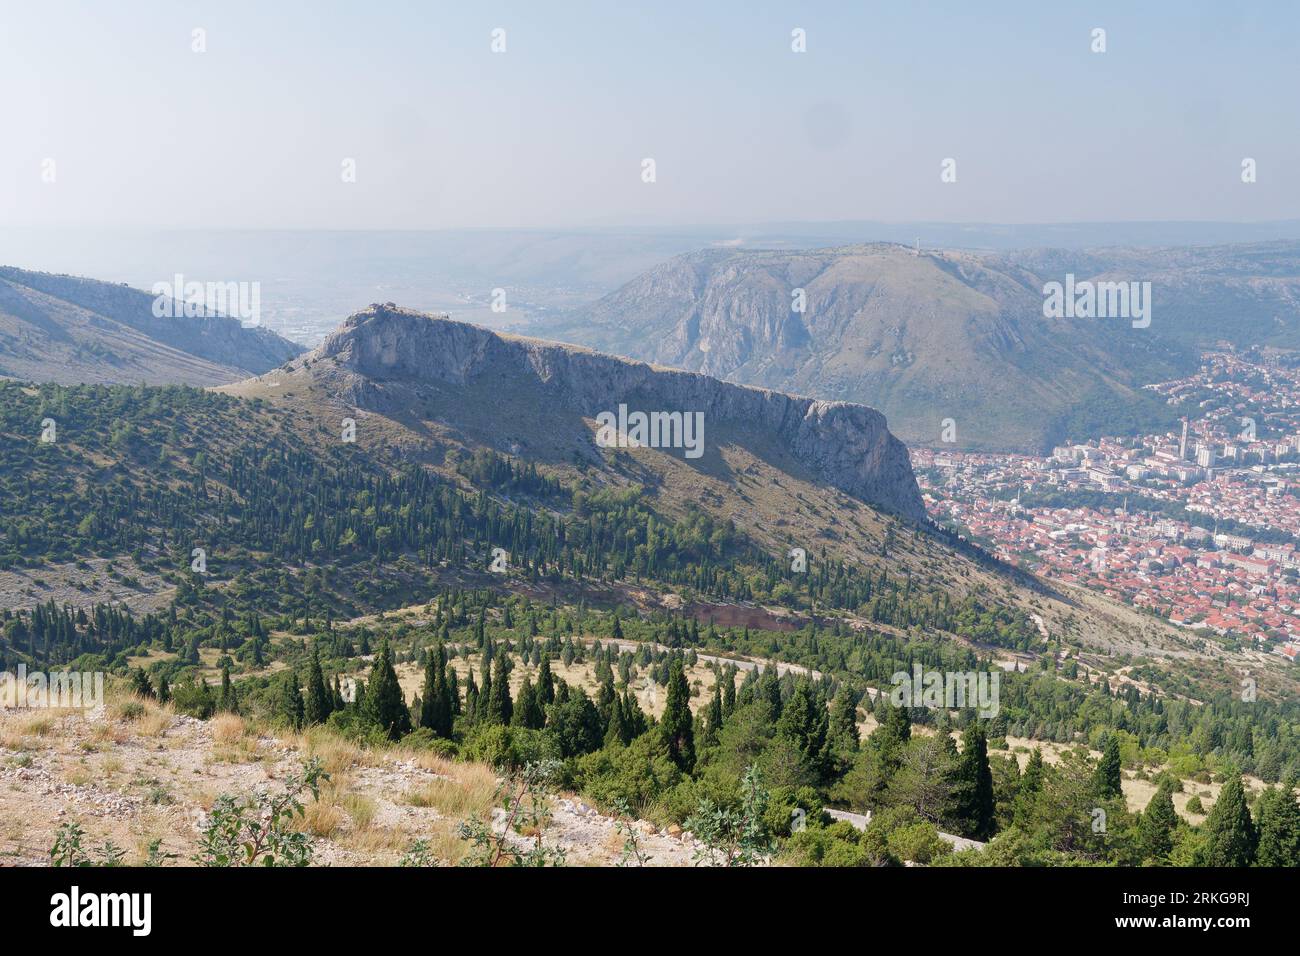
(445, 133)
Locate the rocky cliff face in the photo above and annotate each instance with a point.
(87, 330)
(844, 445)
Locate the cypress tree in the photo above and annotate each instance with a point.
(318, 702)
(545, 682)
(1229, 832)
(384, 704)
(528, 713)
(1032, 779)
(291, 702)
(805, 721)
(227, 700)
(471, 696)
(436, 711)
(713, 725)
(844, 719)
(1108, 771)
(974, 791)
(769, 689)
(1156, 827)
(1279, 828)
(500, 709)
(676, 724)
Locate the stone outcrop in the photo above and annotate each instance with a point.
(845, 445)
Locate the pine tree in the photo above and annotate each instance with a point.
(384, 704)
(164, 689)
(1157, 824)
(1108, 771)
(318, 702)
(1279, 828)
(1229, 832)
(676, 724)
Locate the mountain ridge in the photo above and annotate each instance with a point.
(925, 336)
(68, 329)
(846, 445)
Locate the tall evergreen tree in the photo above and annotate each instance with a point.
(804, 720)
(677, 724)
(1279, 828)
(713, 722)
(527, 712)
(545, 682)
(435, 694)
(974, 784)
(291, 702)
(227, 699)
(1109, 776)
(384, 703)
(500, 709)
(1157, 824)
(318, 702)
(1229, 832)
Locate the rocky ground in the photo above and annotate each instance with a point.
(143, 773)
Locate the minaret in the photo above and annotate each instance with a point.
(1182, 443)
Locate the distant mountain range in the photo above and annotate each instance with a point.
(58, 328)
(949, 344)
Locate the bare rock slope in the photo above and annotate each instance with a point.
(845, 445)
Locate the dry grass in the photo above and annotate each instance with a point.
(232, 741)
(39, 725)
(360, 808)
(155, 722)
(471, 793)
(322, 818)
(109, 733)
(336, 754)
(227, 728)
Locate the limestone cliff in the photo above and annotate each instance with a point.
(842, 444)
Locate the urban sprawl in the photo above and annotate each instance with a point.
(1198, 525)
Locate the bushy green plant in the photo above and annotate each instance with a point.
(256, 831)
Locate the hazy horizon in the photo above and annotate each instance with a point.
(122, 124)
